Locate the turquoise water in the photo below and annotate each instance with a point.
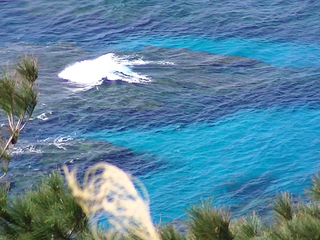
(275, 53)
(197, 99)
(239, 159)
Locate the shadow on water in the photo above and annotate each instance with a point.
(196, 87)
(33, 160)
(248, 191)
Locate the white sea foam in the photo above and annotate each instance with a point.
(61, 141)
(26, 149)
(90, 73)
(43, 117)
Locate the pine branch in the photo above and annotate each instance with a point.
(18, 100)
(206, 222)
(283, 206)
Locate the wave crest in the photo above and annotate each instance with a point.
(90, 73)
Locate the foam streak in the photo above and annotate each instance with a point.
(90, 73)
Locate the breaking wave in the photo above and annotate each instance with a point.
(90, 73)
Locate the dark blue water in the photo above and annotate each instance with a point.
(196, 98)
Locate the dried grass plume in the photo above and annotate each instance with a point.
(110, 191)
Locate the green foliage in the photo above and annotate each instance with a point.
(18, 99)
(312, 209)
(246, 228)
(314, 191)
(298, 228)
(208, 223)
(169, 233)
(28, 69)
(283, 206)
(47, 212)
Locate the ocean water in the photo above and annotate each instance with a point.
(197, 99)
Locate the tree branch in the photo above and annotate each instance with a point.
(7, 145)
(4, 174)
